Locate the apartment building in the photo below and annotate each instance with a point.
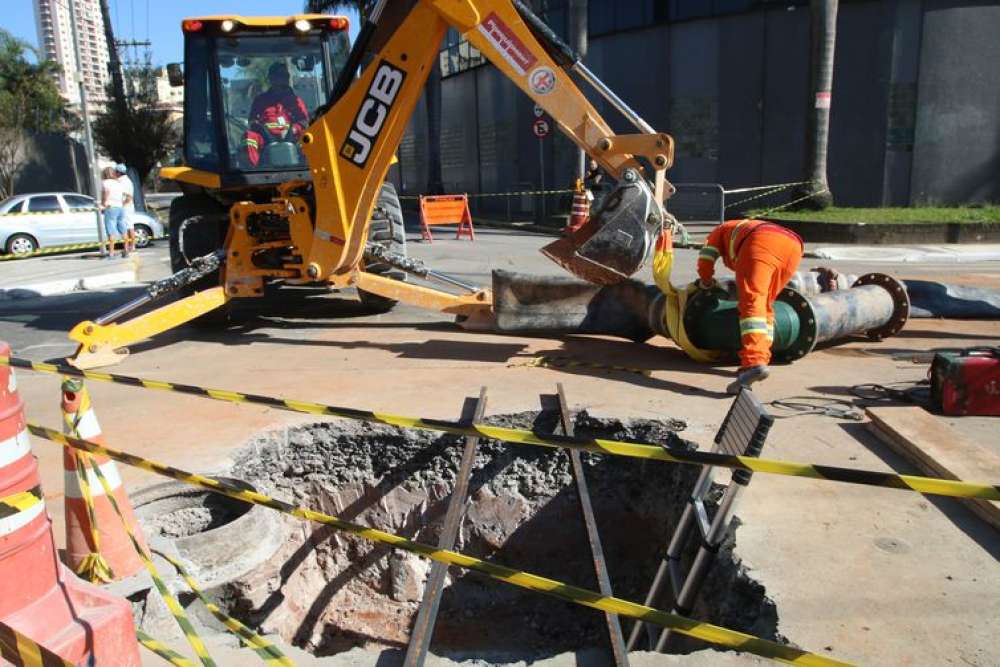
(55, 38)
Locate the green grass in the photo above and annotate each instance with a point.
(874, 216)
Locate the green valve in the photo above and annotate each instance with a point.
(713, 323)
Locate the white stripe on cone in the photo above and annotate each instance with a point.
(108, 469)
(15, 448)
(87, 427)
(21, 519)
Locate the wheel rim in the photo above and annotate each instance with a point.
(142, 237)
(21, 246)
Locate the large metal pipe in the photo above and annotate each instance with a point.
(526, 303)
(876, 306)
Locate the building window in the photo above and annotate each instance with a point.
(458, 55)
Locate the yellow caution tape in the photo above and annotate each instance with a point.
(17, 649)
(75, 210)
(639, 450)
(697, 629)
(21, 501)
(270, 653)
(172, 604)
(521, 193)
(164, 651)
(566, 362)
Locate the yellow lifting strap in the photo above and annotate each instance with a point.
(673, 313)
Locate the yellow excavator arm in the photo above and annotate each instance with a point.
(352, 141)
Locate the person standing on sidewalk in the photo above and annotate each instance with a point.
(764, 256)
(129, 199)
(113, 206)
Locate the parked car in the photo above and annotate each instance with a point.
(32, 221)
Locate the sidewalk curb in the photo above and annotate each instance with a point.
(68, 285)
(860, 233)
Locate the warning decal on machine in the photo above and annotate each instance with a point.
(507, 43)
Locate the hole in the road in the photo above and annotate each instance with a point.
(328, 591)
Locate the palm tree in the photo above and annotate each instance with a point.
(362, 7)
(823, 38)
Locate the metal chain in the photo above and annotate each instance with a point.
(770, 191)
(374, 251)
(506, 194)
(793, 202)
(199, 268)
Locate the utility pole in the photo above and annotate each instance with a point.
(88, 137)
(578, 40)
(117, 80)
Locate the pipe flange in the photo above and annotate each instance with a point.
(806, 341)
(900, 304)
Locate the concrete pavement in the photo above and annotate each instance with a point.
(50, 275)
(877, 576)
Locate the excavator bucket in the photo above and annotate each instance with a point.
(614, 243)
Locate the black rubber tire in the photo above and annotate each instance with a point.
(200, 239)
(21, 237)
(386, 229)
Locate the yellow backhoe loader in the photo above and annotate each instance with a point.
(286, 149)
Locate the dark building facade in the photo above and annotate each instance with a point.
(915, 109)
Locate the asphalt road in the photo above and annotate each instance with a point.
(37, 328)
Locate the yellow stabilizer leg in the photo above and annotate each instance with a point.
(106, 344)
(474, 311)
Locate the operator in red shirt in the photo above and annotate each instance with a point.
(277, 114)
(764, 256)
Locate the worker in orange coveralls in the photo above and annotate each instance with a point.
(764, 256)
(277, 114)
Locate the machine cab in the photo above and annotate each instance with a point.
(251, 87)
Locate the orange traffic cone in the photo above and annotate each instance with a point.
(97, 546)
(39, 597)
(580, 212)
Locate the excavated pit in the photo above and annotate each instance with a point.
(329, 592)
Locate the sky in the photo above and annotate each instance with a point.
(162, 24)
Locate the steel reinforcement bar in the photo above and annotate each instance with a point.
(705, 631)
(640, 450)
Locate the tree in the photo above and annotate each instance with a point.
(362, 7)
(29, 102)
(823, 39)
(134, 130)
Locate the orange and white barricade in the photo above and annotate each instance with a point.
(446, 210)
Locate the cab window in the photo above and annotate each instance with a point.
(77, 202)
(16, 207)
(44, 204)
(199, 132)
(271, 85)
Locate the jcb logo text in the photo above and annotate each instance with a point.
(372, 114)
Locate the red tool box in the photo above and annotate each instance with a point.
(967, 382)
